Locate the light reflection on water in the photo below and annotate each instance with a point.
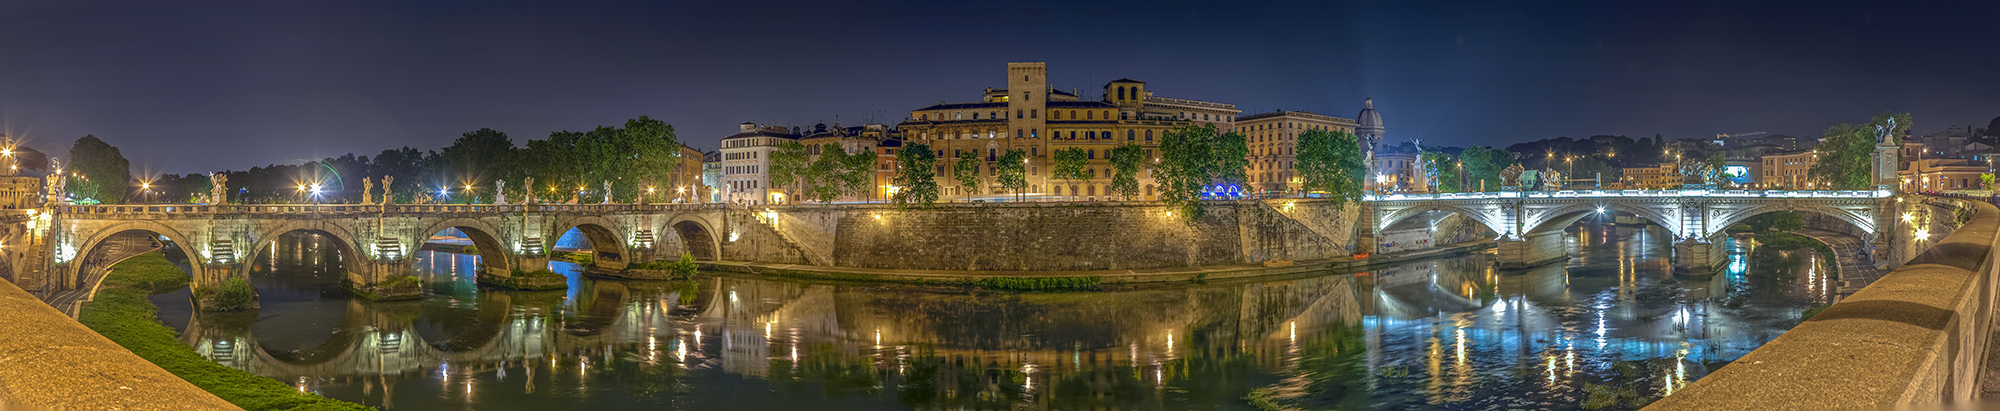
(1444, 334)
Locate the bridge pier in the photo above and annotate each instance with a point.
(1532, 250)
(382, 279)
(1702, 257)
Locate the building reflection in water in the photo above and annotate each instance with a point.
(1444, 334)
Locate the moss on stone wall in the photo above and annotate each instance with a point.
(122, 313)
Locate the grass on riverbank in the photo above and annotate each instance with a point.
(1039, 283)
(122, 313)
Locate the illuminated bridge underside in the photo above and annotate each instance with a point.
(1530, 224)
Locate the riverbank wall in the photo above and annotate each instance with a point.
(1918, 335)
(1049, 237)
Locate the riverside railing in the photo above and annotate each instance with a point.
(1919, 335)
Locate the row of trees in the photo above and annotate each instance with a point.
(641, 154)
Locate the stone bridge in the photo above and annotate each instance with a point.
(1530, 224)
(65, 243)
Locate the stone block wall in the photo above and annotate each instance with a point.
(1065, 236)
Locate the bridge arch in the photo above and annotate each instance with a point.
(1491, 222)
(1728, 218)
(493, 251)
(698, 237)
(82, 261)
(607, 239)
(1562, 217)
(348, 245)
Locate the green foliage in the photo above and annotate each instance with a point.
(1192, 157)
(966, 171)
(1482, 168)
(1591, 168)
(101, 171)
(1013, 171)
(122, 313)
(1986, 180)
(1443, 170)
(479, 157)
(400, 281)
(1606, 396)
(1038, 283)
(1069, 165)
(1332, 161)
(1787, 221)
(916, 181)
(1741, 228)
(1125, 163)
(542, 273)
(790, 165)
(685, 268)
(1846, 153)
(1814, 310)
(1787, 241)
(838, 173)
(233, 294)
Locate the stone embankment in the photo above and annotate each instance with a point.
(1087, 236)
(1917, 335)
(48, 360)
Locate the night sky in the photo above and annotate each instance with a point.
(195, 86)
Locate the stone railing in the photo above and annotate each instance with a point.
(1633, 193)
(157, 210)
(1917, 336)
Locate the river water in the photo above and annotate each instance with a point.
(1443, 334)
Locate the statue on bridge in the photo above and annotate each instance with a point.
(367, 190)
(55, 183)
(388, 181)
(500, 192)
(607, 191)
(218, 188)
(528, 197)
(1698, 171)
(1551, 180)
(1511, 177)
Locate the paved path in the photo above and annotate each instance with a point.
(116, 249)
(1856, 269)
(49, 361)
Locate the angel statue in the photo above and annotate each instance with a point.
(500, 192)
(1511, 177)
(388, 181)
(607, 191)
(528, 196)
(367, 191)
(1882, 132)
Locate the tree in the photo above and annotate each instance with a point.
(1069, 166)
(1443, 170)
(916, 179)
(1482, 168)
(1187, 163)
(1125, 162)
(790, 164)
(101, 171)
(480, 157)
(966, 171)
(1232, 159)
(1331, 161)
(1787, 221)
(1846, 154)
(1986, 180)
(1013, 171)
(824, 178)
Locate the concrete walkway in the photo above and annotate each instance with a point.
(49, 361)
(1856, 269)
(1150, 275)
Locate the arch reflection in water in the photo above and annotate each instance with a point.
(1443, 334)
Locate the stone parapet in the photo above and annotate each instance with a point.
(1918, 335)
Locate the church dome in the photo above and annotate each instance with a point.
(1368, 122)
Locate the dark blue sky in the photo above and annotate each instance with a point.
(191, 86)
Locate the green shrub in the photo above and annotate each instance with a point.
(1813, 311)
(537, 273)
(233, 294)
(122, 313)
(400, 281)
(1741, 228)
(1038, 283)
